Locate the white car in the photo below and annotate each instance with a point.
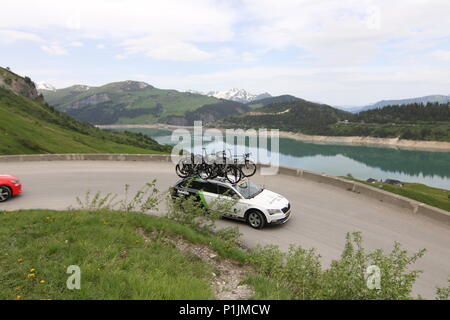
(255, 205)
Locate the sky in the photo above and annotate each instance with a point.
(343, 52)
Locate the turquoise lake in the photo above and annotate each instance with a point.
(362, 162)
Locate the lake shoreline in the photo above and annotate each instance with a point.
(353, 140)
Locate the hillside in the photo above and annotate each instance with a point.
(28, 125)
(420, 100)
(131, 102)
(209, 113)
(298, 116)
(415, 121)
(270, 100)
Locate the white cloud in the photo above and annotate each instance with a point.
(229, 55)
(443, 55)
(171, 25)
(342, 52)
(76, 44)
(162, 49)
(54, 49)
(9, 36)
(345, 31)
(248, 57)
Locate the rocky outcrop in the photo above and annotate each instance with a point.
(20, 86)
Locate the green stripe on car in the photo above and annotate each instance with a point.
(202, 199)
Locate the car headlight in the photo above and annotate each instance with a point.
(274, 211)
(14, 181)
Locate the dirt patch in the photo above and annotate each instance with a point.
(228, 275)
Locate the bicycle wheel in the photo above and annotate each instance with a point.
(181, 171)
(215, 170)
(203, 170)
(248, 169)
(233, 174)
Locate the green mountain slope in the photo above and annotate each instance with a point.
(127, 102)
(430, 122)
(412, 121)
(28, 125)
(299, 116)
(270, 100)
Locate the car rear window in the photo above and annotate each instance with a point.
(200, 185)
(209, 187)
(226, 191)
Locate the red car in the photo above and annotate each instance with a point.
(9, 186)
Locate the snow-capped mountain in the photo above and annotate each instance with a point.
(238, 95)
(45, 86)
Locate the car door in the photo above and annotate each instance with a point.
(238, 210)
(207, 193)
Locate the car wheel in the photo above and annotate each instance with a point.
(5, 193)
(256, 219)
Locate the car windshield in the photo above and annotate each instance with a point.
(248, 189)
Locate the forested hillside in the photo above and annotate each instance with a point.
(414, 121)
(298, 116)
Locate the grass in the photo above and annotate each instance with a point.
(267, 288)
(115, 261)
(28, 127)
(118, 262)
(439, 198)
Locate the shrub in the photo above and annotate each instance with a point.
(300, 271)
(443, 293)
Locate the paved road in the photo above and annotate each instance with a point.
(322, 214)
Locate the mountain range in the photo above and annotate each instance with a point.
(133, 102)
(29, 124)
(45, 86)
(235, 94)
(384, 103)
(259, 100)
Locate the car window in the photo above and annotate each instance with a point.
(200, 185)
(248, 189)
(223, 190)
(192, 184)
(209, 187)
